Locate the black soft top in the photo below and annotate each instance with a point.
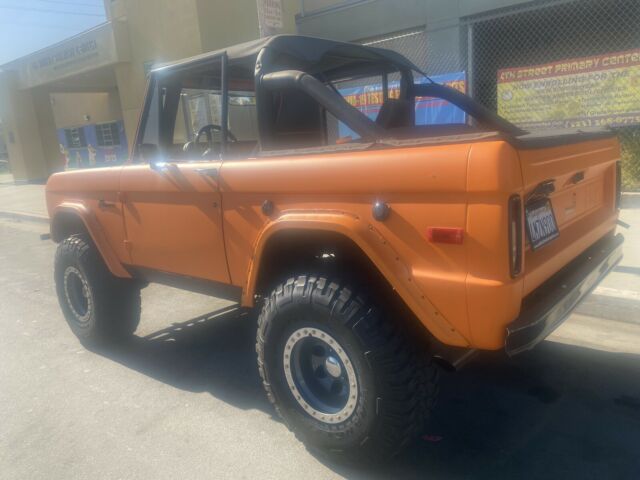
(329, 60)
(317, 56)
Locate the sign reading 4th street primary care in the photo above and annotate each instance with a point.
(602, 90)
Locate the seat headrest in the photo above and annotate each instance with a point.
(395, 113)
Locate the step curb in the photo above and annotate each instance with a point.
(24, 217)
(630, 200)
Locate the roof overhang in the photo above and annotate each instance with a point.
(77, 56)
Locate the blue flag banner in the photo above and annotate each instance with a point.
(429, 111)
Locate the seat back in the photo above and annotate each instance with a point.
(396, 113)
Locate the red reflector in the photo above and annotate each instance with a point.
(445, 235)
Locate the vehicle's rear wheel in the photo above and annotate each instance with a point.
(341, 375)
(98, 306)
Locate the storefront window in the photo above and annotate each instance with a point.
(108, 134)
(75, 138)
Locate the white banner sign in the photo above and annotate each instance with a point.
(87, 51)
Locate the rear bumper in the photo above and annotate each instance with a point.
(549, 305)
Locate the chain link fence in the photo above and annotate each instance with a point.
(564, 36)
(561, 35)
(410, 43)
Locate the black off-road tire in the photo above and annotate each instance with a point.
(112, 304)
(397, 382)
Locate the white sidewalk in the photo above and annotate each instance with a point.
(21, 201)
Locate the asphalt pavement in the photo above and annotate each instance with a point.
(183, 400)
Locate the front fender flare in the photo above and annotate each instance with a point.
(94, 229)
(375, 247)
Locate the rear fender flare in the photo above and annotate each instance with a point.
(379, 251)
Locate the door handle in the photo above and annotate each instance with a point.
(106, 204)
(208, 172)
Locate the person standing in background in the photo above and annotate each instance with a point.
(65, 155)
(92, 155)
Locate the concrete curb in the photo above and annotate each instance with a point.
(630, 200)
(25, 217)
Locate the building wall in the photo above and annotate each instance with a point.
(363, 19)
(108, 66)
(167, 30)
(3, 143)
(21, 125)
(46, 126)
(86, 111)
(70, 109)
(91, 154)
(227, 23)
(356, 19)
(159, 31)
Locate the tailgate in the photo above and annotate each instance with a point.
(579, 179)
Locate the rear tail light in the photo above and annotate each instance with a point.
(618, 184)
(515, 235)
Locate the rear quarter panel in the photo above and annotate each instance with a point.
(424, 186)
(493, 297)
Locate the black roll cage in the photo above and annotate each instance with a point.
(267, 78)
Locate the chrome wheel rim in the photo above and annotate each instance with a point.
(78, 294)
(320, 375)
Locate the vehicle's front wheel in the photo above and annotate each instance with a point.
(98, 306)
(343, 377)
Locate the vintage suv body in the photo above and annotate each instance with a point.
(368, 256)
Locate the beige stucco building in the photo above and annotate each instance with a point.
(70, 102)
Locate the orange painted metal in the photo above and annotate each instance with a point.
(80, 193)
(173, 219)
(181, 221)
(423, 185)
(585, 211)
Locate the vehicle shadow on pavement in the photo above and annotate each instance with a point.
(212, 353)
(558, 411)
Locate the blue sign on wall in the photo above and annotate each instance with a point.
(81, 146)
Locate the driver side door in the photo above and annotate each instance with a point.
(173, 219)
(172, 208)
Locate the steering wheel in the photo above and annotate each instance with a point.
(192, 146)
(208, 131)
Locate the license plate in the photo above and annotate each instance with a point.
(541, 223)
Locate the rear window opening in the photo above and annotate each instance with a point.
(295, 120)
(379, 98)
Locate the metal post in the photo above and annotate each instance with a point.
(224, 113)
(470, 59)
(186, 115)
(470, 66)
(385, 86)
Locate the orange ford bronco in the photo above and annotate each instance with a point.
(370, 258)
